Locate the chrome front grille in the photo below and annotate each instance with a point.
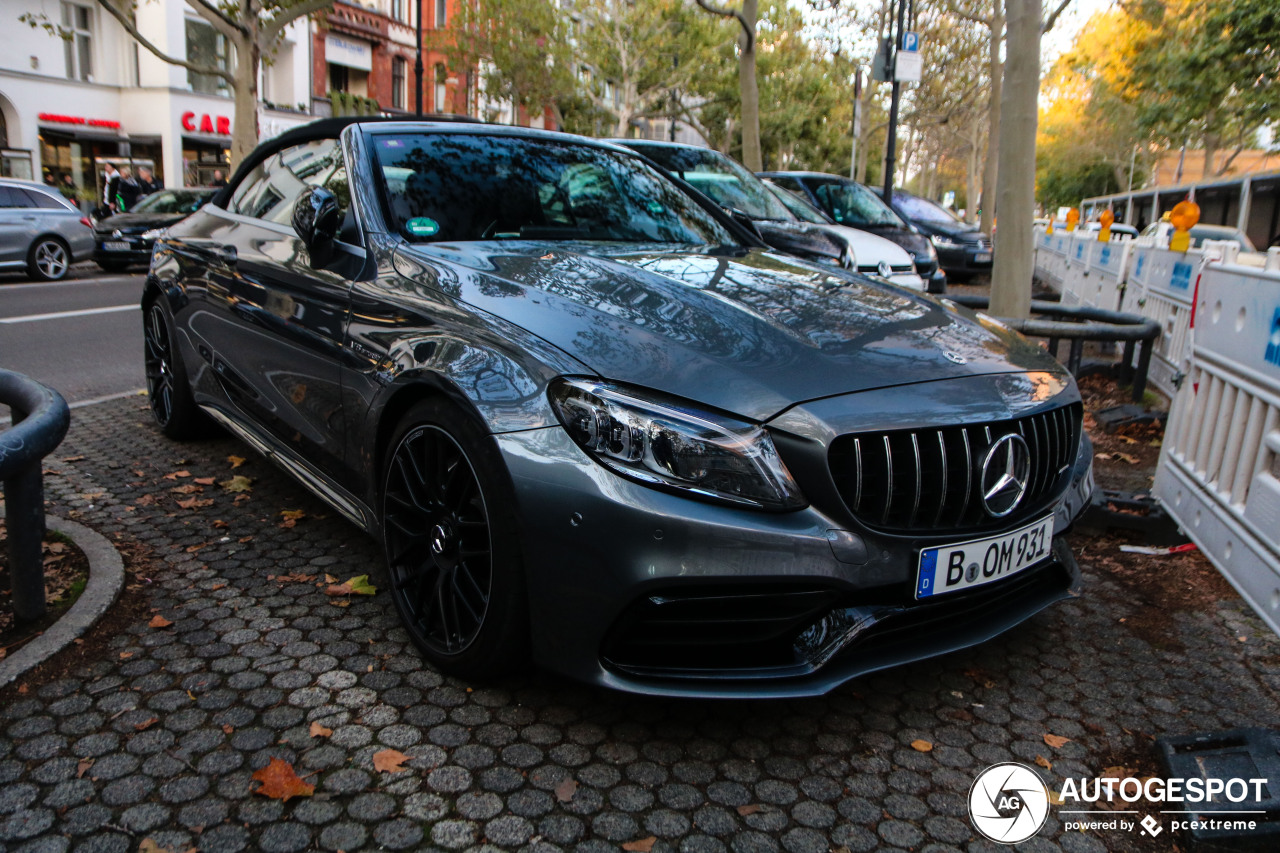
(930, 479)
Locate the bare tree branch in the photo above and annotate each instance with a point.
(216, 16)
(1053, 17)
(272, 29)
(724, 12)
(127, 22)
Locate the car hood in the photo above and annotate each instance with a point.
(798, 238)
(138, 221)
(868, 249)
(751, 333)
(958, 232)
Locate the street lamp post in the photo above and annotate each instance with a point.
(417, 64)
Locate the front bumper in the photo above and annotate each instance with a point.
(613, 566)
(963, 259)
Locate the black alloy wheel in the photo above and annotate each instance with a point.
(167, 389)
(454, 569)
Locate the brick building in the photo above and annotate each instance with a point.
(369, 50)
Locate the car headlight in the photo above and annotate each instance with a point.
(153, 234)
(672, 445)
(942, 241)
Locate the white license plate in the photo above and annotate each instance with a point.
(116, 246)
(965, 565)
(982, 258)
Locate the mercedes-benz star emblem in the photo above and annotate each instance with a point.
(1005, 473)
(886, 269)
(440, 539)
(116, 235)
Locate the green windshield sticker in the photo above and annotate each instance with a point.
(422, 226)
(655, 208)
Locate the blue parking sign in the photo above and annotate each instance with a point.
(910, 42)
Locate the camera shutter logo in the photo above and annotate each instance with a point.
(1008, 803)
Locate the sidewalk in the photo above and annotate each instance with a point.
(154, 732)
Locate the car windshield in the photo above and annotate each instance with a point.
(448, 187)
(923, 210)
(800, 208)
(725, 181)
(853, 204)
(172, 201)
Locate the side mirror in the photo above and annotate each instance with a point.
(316, 219)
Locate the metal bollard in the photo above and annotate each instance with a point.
(40, 421)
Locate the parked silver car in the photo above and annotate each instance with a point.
(41, 231)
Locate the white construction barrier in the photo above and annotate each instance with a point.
(1160, 286)
(1219, 471)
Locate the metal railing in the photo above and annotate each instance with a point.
(1080, 323)
(40, 421)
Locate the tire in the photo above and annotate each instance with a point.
(450, 540)
(113, 266)
(168, 390)
(48, 259)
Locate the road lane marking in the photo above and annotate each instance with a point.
(59, 315)
(137, 392)
(71, 282)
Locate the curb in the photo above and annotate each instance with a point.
(106, 579)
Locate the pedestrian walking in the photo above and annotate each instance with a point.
(147, 183)
(219, 180)
(110, 187)
(128, 193)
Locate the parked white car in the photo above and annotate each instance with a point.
(874, 256)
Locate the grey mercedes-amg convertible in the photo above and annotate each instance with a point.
(594, 421)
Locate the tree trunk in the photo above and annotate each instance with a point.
(990, 169)
(244, 125)
(1016, 191)
(747, 83)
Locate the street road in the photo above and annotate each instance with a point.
(81, 336)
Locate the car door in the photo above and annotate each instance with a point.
(17, 226)
(275, 323)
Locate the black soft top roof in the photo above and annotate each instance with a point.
(322, 128)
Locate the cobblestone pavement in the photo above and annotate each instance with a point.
(158, 737)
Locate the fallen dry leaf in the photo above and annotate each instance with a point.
(205, 481)
(1056, 741)
(83, 767)
(291, 517)
(359, 585)
(644, 845)
(751, 809)
(318, 730)
(177, 475)
(1044, 762)
(236, 461)
(146, 724)
(227, 728)
(148, 845)
(194, 503)
(921, 746)
(280, 782)
(566, 789)
(72, 458)
(187, 489)
(159, 621)
(238, 483)
(389, 761)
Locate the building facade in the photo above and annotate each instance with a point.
(67, 107)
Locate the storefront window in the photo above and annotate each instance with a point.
(77, 20)
(202, 161)
(206, 46)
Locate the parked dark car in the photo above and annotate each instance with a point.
(593, 421)
(850, 203)
(745, 196)
(963, 251)
(126, 238)
(40, 231)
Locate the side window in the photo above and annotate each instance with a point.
(38, 199)
(788, 184)
(271, 191)
(9, 198)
